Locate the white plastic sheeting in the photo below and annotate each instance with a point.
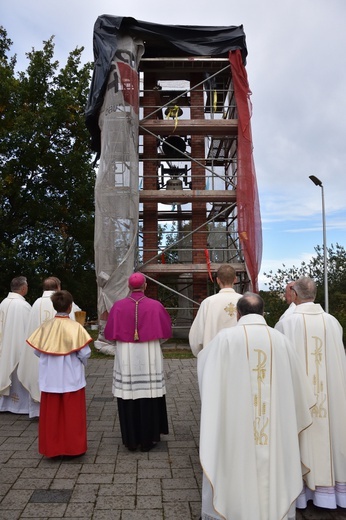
(116, 188)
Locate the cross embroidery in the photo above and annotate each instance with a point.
(230, 309)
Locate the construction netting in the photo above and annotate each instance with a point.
(249, 216)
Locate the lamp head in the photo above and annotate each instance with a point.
(315, 180)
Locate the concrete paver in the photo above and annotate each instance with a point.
(109, 482)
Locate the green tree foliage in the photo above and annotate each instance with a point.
(47, 177)
(336, 265)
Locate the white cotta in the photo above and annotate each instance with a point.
(138, 370)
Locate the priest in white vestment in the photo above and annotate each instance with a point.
(42, 310)
(289, 297)
(14, 317)
(317, 337)
(255, 412)
(216, 312)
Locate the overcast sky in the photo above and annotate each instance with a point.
(296, 67)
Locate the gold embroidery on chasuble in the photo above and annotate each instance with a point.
(316, 363)
(318, 377)
(316, 368)
(230, 309)
(260, 370)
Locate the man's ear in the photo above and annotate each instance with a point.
(23, 291)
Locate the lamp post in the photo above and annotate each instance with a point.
(317, 182)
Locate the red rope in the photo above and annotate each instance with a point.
(206, 252)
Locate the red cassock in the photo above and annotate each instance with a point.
(62, 424)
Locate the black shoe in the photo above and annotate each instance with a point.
(148, 447)
(131, 448)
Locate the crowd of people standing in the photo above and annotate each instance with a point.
(273, 407)
(273, 400)
(42, 359)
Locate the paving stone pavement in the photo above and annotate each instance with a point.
(109, 482)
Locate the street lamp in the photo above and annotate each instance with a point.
(317, 182)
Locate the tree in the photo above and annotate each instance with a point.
(47, 176)
(336, 265)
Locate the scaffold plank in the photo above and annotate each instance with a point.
(213, 127)
(186, 196)
(186, 268)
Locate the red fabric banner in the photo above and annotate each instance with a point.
(249, 216)
(207, 257)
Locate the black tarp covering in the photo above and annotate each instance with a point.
(159, 40)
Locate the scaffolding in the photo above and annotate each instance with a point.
(187, 220)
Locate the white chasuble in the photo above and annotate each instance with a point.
(317, 338)
(260, 367)
(256, 405)
(14, 316)
(216, 312)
